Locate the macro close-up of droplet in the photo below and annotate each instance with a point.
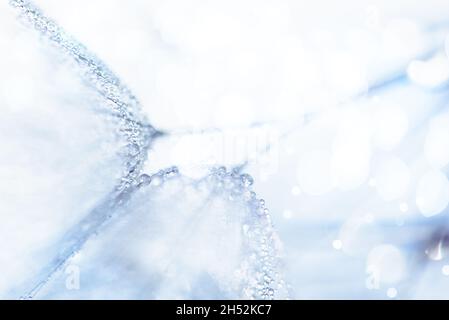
(212, 150)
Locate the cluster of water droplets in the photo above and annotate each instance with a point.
(119, 107)
(258, 276)
(158, 178)
(112, 94)
(259, 273)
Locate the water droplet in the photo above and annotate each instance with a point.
(247, 180)
(220, 171)
(392, 293)
(144, 179)
(171, 172)
(133, 149)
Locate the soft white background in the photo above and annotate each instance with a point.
(350, 94)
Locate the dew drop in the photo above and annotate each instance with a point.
(144, 179)
(247, 180)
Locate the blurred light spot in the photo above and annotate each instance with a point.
(391, 124)
(392, 178)
(445, 270)
(351, 152)
(436, 146)
(389, 263)
(287, 214)
(296, 191)
(392, 293)
(432, 193)
(350, 165)
(403, 207)
(400, 222)
(431, 73)
(355, 235)
(337, 244)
